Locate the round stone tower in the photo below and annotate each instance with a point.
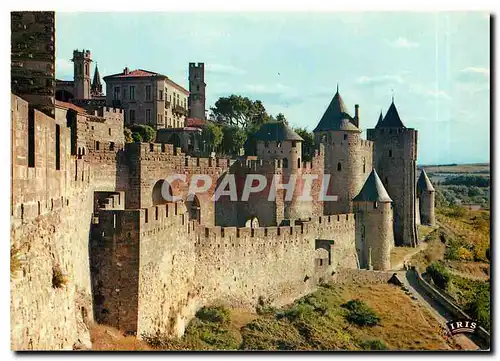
(276, 140)
(374, 224)
(426, 196)
(348, 158)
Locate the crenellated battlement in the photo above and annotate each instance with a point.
(160, 152)
(339, 221)
(109, 111)
(390, 131)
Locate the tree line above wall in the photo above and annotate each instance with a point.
(234, 120)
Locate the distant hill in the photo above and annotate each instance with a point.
(480, 168)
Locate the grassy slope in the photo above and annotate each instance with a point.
(460, 244)
(315, 322)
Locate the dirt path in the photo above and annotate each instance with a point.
(399, 266)
(442, 316)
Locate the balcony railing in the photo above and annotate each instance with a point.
(180, 110)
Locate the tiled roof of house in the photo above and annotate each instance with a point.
(195, 122)
(134, 74)
(171, 82)
(69, 106)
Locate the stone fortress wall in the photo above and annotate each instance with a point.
(156, 268)
(51, 216)
(96, 240)
(142, 268)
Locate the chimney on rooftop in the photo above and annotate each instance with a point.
(356, 115)
(125, 71)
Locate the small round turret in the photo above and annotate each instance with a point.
(426, 195)
(374, 224)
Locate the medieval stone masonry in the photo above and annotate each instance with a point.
(97, 241)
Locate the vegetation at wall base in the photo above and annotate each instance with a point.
(318, 321)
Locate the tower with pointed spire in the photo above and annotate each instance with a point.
(426, 196)
(374, 219)
(348, 158)
(96, 87)
(394, 158)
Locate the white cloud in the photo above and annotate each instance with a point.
(269, 89)
(476, 70)
(401, 42)
(434, 93)
(428, 91)
(473, 79)
(223, 69)
(380, 80)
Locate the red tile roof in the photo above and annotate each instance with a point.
(69, 106)
(134, 73)
(194, 122)
(171, 82)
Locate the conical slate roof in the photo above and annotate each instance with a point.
(423, 183)
(391, 119)
(380, 120)
(373, 190)
(336, 117)
(276, 131)
(97, 78)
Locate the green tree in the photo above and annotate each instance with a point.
(212, 136)
(127, 133)
(240, 112)
(146, 133)
(137, 137)
(308, 146)
(233, 139)
(281, 118)
(234, 110)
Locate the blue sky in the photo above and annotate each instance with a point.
(437, 65)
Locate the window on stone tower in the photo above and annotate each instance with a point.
(386, 181)
(375, 205)
(298, 163)
(278, 144)
(285, 162)
(345, 136)
(266, 144)
(339, 166)
(87, 69)
(364, 165)
(294, 144)
(390, 153)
